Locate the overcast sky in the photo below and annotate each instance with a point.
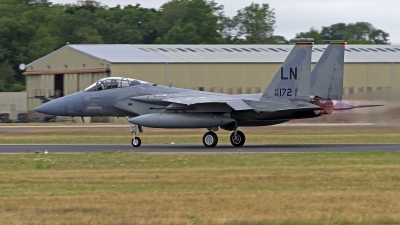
(294, 16)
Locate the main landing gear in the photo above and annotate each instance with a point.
(210, 139)
(237, 138)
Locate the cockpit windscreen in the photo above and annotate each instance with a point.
(113, 82)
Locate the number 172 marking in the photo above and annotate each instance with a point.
(283, 92)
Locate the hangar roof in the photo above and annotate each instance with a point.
(126, 53)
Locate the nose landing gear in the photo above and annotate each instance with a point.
(136, 142)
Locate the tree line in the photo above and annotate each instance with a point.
(30, 29)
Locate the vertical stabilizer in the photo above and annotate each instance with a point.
(327, 76)
(293, 78)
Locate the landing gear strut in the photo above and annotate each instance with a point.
(136, 142)
(237, 138)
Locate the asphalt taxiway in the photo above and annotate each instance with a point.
(281, 127)
(170, 148)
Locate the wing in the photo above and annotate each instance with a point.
(185, 102)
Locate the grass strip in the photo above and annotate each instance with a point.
(134, 188)
(195, 137)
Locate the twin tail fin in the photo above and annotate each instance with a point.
(292, 80)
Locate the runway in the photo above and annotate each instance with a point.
(280, 127)
(199, 148)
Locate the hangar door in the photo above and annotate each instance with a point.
(58, 85)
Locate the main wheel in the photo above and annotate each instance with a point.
(238, 139)
(136, 142)
(210, 139)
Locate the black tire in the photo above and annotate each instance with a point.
(210, 139)
(239, 140)
(137, 143)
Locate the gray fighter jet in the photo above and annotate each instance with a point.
(294, 93)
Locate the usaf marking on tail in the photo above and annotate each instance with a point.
(294, 93)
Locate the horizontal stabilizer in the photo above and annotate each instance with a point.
(339, 106)
(367, 106)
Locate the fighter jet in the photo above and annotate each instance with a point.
(294, 93)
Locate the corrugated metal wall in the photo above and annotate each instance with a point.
(396, 74)
(68, 59)
(13, 103)
(70, 83)
(38, 85)
(146, 72)
(226, 76)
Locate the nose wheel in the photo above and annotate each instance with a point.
(136, 142)
(210, 139)
(237, 138)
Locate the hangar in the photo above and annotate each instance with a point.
(232, 69)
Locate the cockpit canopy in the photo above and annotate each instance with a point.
(113, 82)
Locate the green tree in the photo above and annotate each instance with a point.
(7, 74)
(24, 36)
(14, 36)
(18, 87)
(255, 23)
(186, 35)
(228, 30)
(363, 32)
(333, 32)
(2, 88)
(276, 39)
(312, 33)
(200, 17)
(129, 25)
(353, 33)
(378, 36)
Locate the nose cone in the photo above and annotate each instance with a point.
(53, 107)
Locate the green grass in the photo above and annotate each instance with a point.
(195, 136)
(131, 160)
(136, 188)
